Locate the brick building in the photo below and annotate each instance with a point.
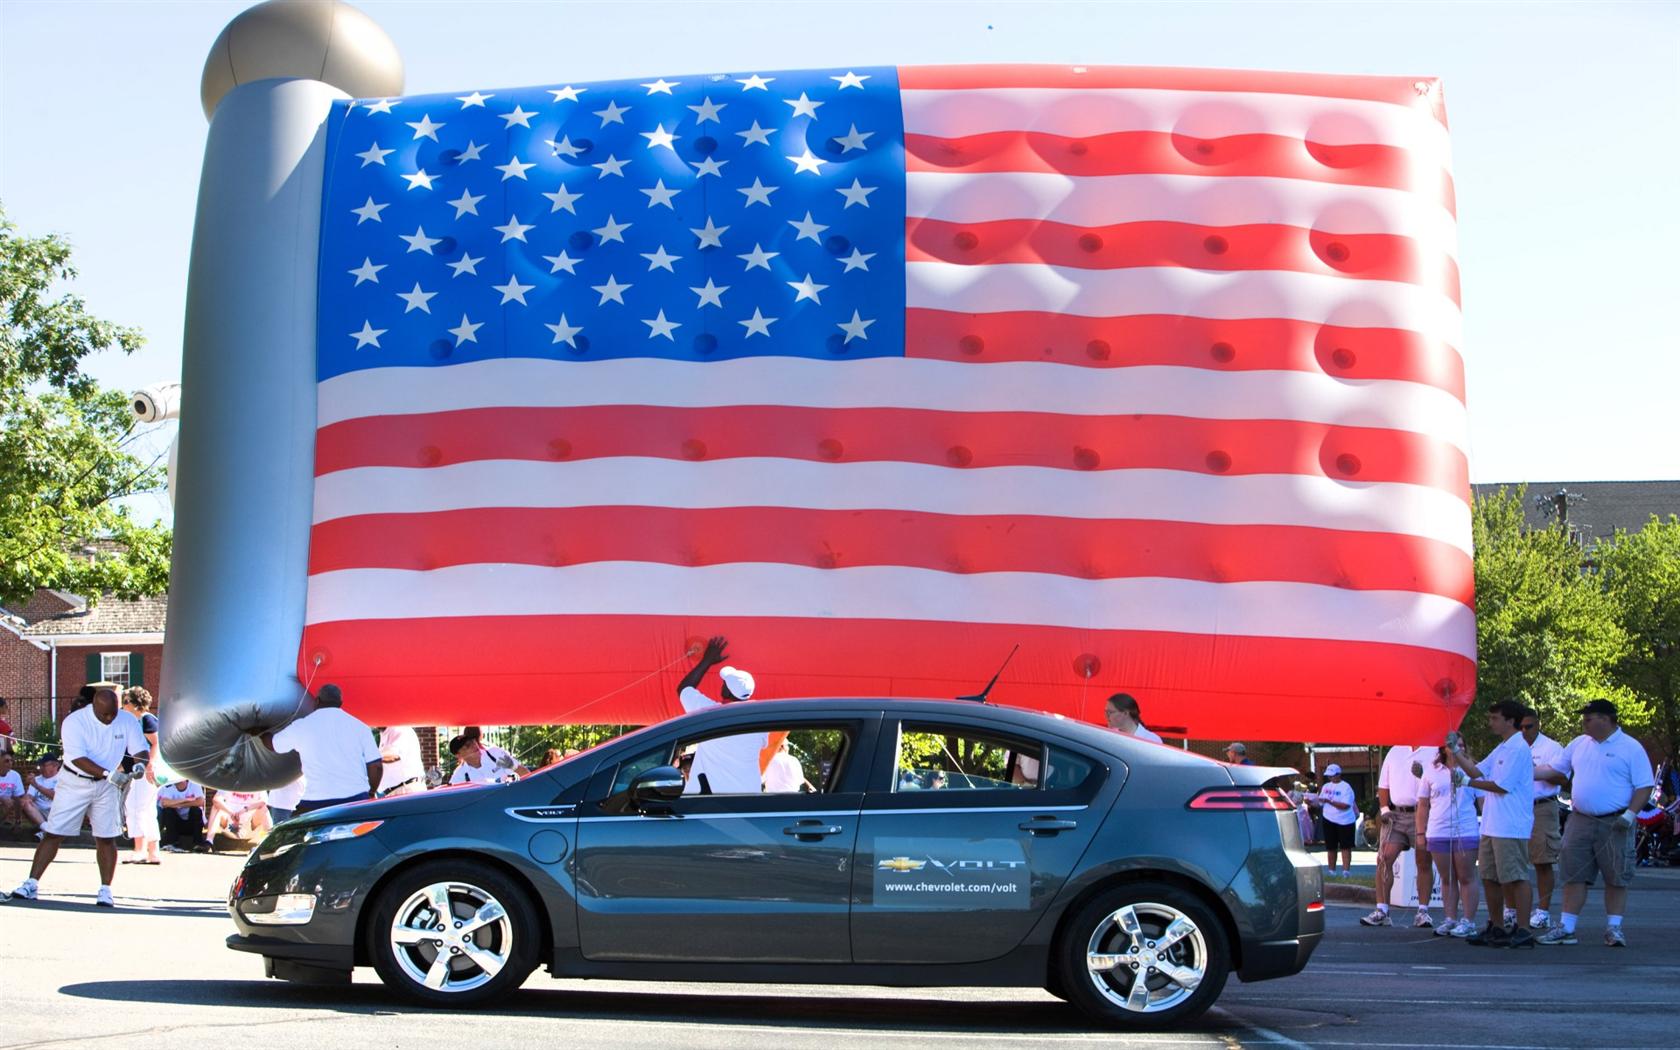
(53, 644)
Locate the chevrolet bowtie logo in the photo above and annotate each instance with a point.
(903, 864)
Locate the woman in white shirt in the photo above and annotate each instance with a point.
(1446, 810)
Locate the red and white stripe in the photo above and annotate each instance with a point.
(1182, 415)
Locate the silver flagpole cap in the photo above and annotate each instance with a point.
(324, 40)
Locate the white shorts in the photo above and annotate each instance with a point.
(140, 810)
(77, 797)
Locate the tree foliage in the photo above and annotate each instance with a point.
(1640, 571)
(65, 444)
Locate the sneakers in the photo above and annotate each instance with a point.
(1539, 920)
(1463, 928)
(1613, 937)
(1446, 928)
(1522, 937)
(1422, 921)
(1378, 917)
(1490, 936)
(1557, 935)
(25, 891)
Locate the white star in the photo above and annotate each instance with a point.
(466, 331)
(562, 262)
(475, 99)
(613, 114)
(567, 93)
(661, 86)
(368, 336)
(758, 257)
(416, 299)
(518, 115)
(756, 134)
(611, 290)
(660, 195)
(807, 289)
(424, 128)
(708, 110)
(467, 263)
(758, 324)
(418, 241)
(382, 106)
(851, 80)
(420, 180)
(466, 204)
(856, 328)
(660, 260)
(711, 235)
(473, 152)
(563, 200)
(803, 106)
(513, 291)
(710, 295)
(374, 155)
(808, 230)
(757, 193)
(611, 166)
(659, 137)
(857, 261)
(808, 162)
(514, 169)
(368, 271)
(612, 231)
(658, 326)
(368, 211)
(564, 147)
(564, 332)
(755, 81)
(710, 166)
(854, 139)
(513, 230)
(856, 193)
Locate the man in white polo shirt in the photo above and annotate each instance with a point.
(96, 738)
(1398, 786)
(722, 765)
(1610, 778)
(340, 762)
(1547, 837)
(1506, 779)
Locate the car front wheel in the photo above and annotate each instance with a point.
(453, 933)
(1145, 955)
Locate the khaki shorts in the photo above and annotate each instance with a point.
(1594, 845)
(99, 801)
(1546, 839)
(1401, 828)
(1504, 860)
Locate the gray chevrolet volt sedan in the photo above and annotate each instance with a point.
(910, 842)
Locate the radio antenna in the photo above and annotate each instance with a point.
(980, 697)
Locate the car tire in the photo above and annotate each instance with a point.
(1111, 944)
(489, 942)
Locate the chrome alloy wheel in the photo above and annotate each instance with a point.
(1146, 957)
(451, 937)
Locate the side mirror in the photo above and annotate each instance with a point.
(657, 787)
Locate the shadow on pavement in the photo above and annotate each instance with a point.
(187, 909)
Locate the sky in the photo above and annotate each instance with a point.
(1564, 122)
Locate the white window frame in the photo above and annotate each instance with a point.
(107, 661)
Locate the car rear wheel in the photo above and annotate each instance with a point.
(1145, 955)
(453, 933)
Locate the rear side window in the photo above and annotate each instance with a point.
(933, 757)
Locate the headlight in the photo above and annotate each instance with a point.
(286, 840)
(290, 909)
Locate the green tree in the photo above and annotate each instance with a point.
(66, 455)
(1641, 574)
(1547, 634)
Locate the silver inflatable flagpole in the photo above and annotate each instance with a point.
(243, 509)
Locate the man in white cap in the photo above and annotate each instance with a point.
(723, 765)
(1340, 813)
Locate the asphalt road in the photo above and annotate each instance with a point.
(154, 972)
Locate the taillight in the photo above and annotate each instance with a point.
(1251, 798)
(1315, 906)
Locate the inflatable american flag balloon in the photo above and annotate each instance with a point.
(881, 372)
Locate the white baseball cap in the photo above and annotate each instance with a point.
(739, 682)
(1332, 770)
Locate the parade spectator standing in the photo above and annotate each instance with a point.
(95, 738)
(340, 761)
(1610, 778)
(399, 751)
(40, 790)
(1236, 753)
(723, 765)
(5, 728)
(1506, 779)
(283, 800)
(1124, 716)
(785, 774)
(1446, 811)
(1398, 786)
(473, 764)
(1547, 838)
(1340, 813)
(12, 792)
(182, 817)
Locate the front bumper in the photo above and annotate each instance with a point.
(337, 874)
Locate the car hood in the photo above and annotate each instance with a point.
(441, 800)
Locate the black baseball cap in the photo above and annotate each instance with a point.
(1599, 707)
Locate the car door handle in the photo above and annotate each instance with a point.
(1047, 825)
(814, 829)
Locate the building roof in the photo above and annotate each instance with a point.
(111, 616)
(1604, 506)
